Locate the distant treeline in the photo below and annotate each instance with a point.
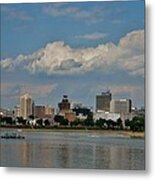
(136, 124)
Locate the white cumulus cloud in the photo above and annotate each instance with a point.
(60, 58)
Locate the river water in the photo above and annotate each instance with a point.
(73, 150)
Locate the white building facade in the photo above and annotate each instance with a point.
(120, 106)
(106, 116)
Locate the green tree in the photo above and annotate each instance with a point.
(100, 123)
(127, 123)
(76, 122)
(119, 123)
(137, 124)
(61, 120)
(31, 116)
(20, 120)
(89, 121)
(46, 122)
(7, 120)
(64, 122)
(39, 122)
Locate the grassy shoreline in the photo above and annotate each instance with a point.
(125, 133)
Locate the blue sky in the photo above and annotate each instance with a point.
(79, 49)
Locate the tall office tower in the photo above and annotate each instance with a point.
(25, 106)
(103, 101)
(121, 106)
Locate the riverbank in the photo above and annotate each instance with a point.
(121, 133)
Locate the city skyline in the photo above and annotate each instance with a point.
(103, 103)
(78, 49)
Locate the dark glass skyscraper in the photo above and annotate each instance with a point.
(103, 101)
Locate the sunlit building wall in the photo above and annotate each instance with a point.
(25, 106)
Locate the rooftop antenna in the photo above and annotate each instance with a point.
(106, 89)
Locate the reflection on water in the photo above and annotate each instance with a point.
(73, 150)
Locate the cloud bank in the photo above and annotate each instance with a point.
(93, 36)
(60, 58)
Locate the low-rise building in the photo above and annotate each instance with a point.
(70, 116)
(42, 111)
(106, 116)
(120, 106)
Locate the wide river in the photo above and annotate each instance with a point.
(93, 150)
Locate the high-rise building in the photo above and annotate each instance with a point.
(64, 105)
(65, 109)
(25, 106)
(120, 106)
(103, 101)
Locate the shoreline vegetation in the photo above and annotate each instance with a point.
(121, 133)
